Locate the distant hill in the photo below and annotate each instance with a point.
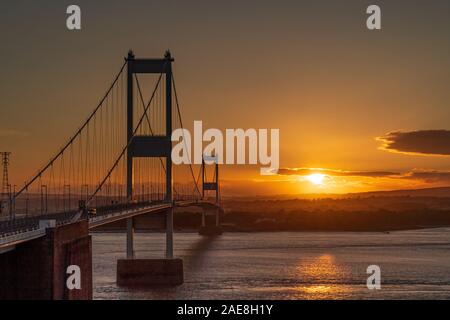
(367, 211)
(427, 192)
(441, 192)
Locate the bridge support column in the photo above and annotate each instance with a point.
(217, 217)
(130, 238)
(38, 269)
(169, 234)
(214, 228)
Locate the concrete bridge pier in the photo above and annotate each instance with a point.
(217, 217)
(49, 267)
(203, 219)
(130, 238)
(132, 272)
(213, 229)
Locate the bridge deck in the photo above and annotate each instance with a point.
(25, 229)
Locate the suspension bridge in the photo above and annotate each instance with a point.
(116, 167)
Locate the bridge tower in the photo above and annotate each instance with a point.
(150, 146)
(150, 271)
(211, 186)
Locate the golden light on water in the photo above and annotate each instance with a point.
(322, 267)
(322, 273)
(320, 289)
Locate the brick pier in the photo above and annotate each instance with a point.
(37, 269)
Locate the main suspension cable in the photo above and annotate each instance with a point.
(128, 143)
(184, 139)
(54, 158)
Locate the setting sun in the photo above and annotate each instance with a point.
(316, 178)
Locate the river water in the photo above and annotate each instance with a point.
(287, 265)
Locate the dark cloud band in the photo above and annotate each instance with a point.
(428, 176)
(427, 142)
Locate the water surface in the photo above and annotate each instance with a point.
(287, 265)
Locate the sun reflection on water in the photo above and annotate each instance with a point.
(321, 277)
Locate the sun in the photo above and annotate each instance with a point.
(316, 178)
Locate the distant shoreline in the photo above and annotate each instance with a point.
(274, 231)
(380, 214)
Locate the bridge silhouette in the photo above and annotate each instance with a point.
(117, 166)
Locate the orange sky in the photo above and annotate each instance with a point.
(310, 69)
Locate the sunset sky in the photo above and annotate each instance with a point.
(357, 110)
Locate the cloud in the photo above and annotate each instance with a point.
(424, 142)
(336, 173)
(429, 176)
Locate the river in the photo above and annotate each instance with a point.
(287, 265)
